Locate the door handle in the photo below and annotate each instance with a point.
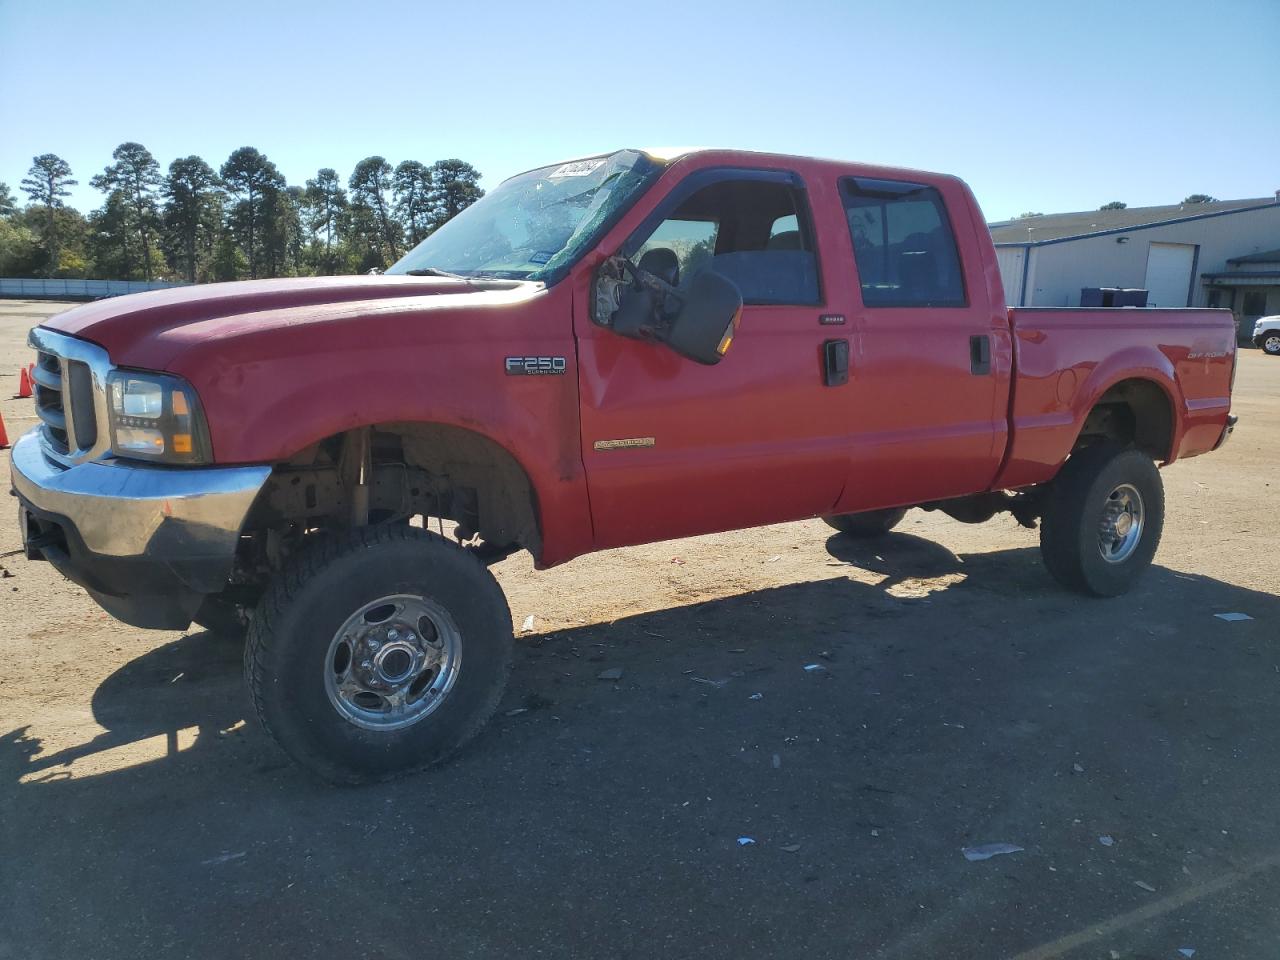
(980, 355)
(835, 362)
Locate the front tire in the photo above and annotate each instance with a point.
(378, 652)
(1102, 520)
(1270, 343)
(873, 523)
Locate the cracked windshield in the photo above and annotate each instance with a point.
(536, 222)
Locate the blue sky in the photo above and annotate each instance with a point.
(1038, 105)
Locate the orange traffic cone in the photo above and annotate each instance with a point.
(24, 383)
(4, 437)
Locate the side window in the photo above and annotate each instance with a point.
(692, 241)
(903, 244)
(756, 232)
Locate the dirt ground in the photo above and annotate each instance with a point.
(1129, 746)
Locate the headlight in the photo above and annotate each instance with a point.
(156, 417)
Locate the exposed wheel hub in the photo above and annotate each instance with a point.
(1120, 529)
(393, 662)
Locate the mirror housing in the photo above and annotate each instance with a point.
(704, 326)
(698, 323)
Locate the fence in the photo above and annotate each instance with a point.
(21, 289)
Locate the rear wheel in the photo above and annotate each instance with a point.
(873, 523)
(1270, 343)
(1102, 520)
(378, 652)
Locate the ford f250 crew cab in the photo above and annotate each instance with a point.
(615, 350)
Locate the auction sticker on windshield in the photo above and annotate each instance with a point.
(578, 168)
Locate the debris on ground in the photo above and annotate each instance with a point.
(745, 841)
(1144, 885)
(613, 673)
(225, 858)
(1076, 768)
(1187, 951)
(814, 668)
(774, 559)
(986, 851)
(678, 561)
(238, 725)
(710, 683)
(756, 696)
(516, 712)
(1233, 617)
(791, 848)
(527, 626)
(536, 701)
(1107, 840)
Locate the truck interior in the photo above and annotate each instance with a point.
(758, 233)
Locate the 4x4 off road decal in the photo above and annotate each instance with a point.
(535, 366)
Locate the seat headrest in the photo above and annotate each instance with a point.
(662, 263)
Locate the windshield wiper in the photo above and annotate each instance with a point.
(433, 272)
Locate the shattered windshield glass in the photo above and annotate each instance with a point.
(537, 223)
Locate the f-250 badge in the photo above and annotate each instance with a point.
(535, 366)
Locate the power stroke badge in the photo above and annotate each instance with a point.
(535, 366)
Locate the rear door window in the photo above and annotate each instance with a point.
(903, 244)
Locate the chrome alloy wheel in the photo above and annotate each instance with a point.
(1121, 528)
(393, 662)
(1271, 343)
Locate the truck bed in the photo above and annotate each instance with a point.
(1066, 359)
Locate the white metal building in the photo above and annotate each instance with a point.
(1220, 254)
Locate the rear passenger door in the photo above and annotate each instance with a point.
(928, 417)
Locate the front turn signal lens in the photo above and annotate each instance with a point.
(726, 341)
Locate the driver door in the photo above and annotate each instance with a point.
(674, 448)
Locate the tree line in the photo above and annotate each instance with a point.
(240, 221)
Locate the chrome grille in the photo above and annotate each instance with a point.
(48, 396)
(71, 396)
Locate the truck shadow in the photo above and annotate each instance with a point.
(189, 692)
(951, 702)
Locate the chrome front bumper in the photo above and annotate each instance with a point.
(148, 542)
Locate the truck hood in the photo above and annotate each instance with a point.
(149, 329)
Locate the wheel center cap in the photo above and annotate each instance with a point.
(395, 662)
(1124, 523)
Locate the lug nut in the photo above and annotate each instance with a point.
(373, 644)
(366, 664)
(393, 635)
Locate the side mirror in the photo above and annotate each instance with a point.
(698, 323)
(704, 326)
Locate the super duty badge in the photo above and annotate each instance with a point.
(534, 366)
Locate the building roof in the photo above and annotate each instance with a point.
(1063, 226)
(1266, 256)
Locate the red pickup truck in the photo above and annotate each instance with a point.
(614, 350)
